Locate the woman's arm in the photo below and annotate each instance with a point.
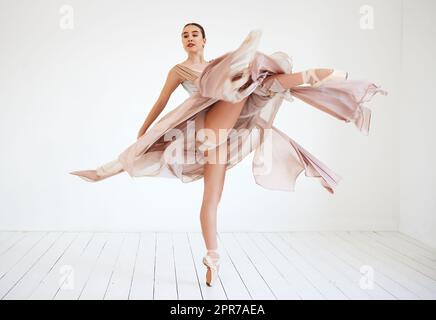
(172, 82)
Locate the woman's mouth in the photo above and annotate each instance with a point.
(191, 45)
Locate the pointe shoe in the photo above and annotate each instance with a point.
(213, 265)
(102, 172)
(87, 175)
(336, 74)
(316, 79)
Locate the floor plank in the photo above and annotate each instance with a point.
(405, 248)
(378, 260)
(408, 239)
(97, 285)
(346, 263)
(307, 282)
(19, 270)
(281, 288)
(255, 285)
(74, 277)
(6, 235)
(31, 279)
(187, 279)
(121, 280)
(48, 286)
(337, 273)
(165, 276)
(375, 274)
(144, 270)
(18, 250)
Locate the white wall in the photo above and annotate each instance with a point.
(74, 99)
(416, 139)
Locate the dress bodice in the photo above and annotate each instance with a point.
(190, 86)
(190, 76)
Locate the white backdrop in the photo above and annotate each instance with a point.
(73, 99)
(415, 140)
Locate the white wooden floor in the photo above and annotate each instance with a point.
(293, 265)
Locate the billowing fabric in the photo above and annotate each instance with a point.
(278, 160)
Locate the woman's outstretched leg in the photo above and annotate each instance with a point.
(290, 80)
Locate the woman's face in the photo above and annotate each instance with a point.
(192, 39)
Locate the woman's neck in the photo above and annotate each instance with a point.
(195, 59)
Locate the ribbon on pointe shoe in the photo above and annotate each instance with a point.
(336, 74)
(311, 78)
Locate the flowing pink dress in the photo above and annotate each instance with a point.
(278, 160)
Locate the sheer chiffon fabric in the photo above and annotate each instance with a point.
(278, 160)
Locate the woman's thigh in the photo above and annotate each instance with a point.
(223, 114)
(219, 119)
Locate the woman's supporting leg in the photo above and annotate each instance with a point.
(222, 115)
(290, 80)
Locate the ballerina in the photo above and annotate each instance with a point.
(235, 97)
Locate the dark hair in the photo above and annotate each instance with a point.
(197, 25)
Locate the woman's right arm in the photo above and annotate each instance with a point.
(172, 82)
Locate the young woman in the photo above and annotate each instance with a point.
(235, 98)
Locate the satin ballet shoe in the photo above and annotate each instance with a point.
(107, 170)
(213, 266)
(312, 78)
(336, 74)
(87, 175)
